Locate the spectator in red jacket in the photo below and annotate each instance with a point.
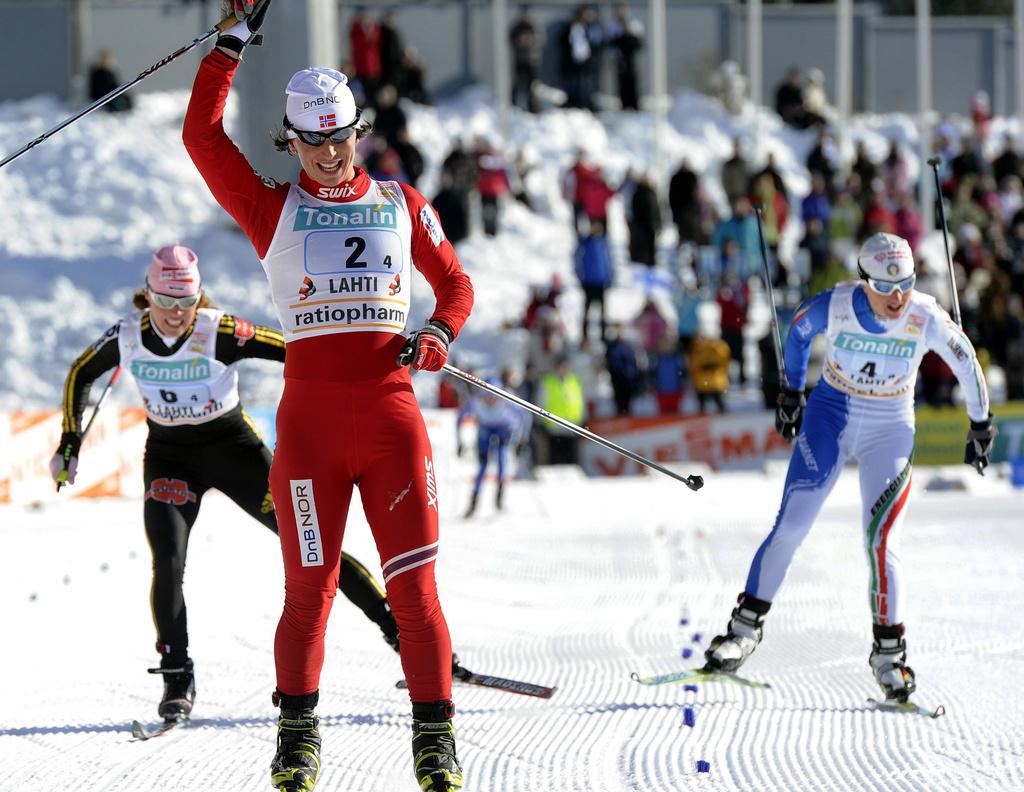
(734, 298)
(491, 182)
(364, 43)
(585, 186)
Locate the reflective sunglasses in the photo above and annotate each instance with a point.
(168, 302)
(339, 135)
(888, 287)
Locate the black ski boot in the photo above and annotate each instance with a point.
(389, 627)
(179, 689)
(296, 765)
(472, 505)
(500, 496)
(436, 766)
(744, 632)
(889, 662)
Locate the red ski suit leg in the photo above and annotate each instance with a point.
(331, 436)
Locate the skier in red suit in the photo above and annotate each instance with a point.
(338, 249)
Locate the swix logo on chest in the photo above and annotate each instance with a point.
(344, 191)
(431, 485)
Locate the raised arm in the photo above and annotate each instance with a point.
(254, 202)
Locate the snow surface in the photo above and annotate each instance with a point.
(577, 584)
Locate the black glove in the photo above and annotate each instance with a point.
(64, 463)
(789, 412)
(427, 348)
(245, 30)
(979, 444)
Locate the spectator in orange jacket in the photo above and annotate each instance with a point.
(709, 368)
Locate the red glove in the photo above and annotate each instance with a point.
(240, 8)
(235, 38)
(427, 348)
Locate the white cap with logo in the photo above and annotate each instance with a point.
(319, 99)
(886, 257)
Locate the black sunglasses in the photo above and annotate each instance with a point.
(339, 135)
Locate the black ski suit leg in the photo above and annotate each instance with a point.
(357, 583)
(169, 511)
(242, 472)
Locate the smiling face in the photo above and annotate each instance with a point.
(172, 321)
(888, 306)
(330, 164)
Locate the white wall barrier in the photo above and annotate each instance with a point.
(724, 442)
(110, 463)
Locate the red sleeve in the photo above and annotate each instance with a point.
(254, 202)
(434, 256)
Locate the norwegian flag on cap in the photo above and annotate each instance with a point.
(174, 271)
(328, 120)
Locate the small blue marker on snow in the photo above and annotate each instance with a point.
(689, 717)
(703, 767)
(684, 621)
(696, 637)
(687, 652)
(690, 688)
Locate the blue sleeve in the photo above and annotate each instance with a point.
(810, 319)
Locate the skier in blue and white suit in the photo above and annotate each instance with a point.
(877, 329)
(499, 425)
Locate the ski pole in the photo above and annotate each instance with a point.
(934, 162)
(221, 26)
(776, 334)
(62, 477)
(693, 482)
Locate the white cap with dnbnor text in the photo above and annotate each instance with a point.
(319, 99)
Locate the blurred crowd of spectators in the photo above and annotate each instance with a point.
(702, 345)
(584, 43)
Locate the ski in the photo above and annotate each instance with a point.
(464, 675)
(697, 675)
(907, 708)
(139, 732)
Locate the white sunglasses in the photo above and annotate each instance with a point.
(168, 302)
(888, 287)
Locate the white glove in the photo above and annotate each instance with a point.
(60, 473)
